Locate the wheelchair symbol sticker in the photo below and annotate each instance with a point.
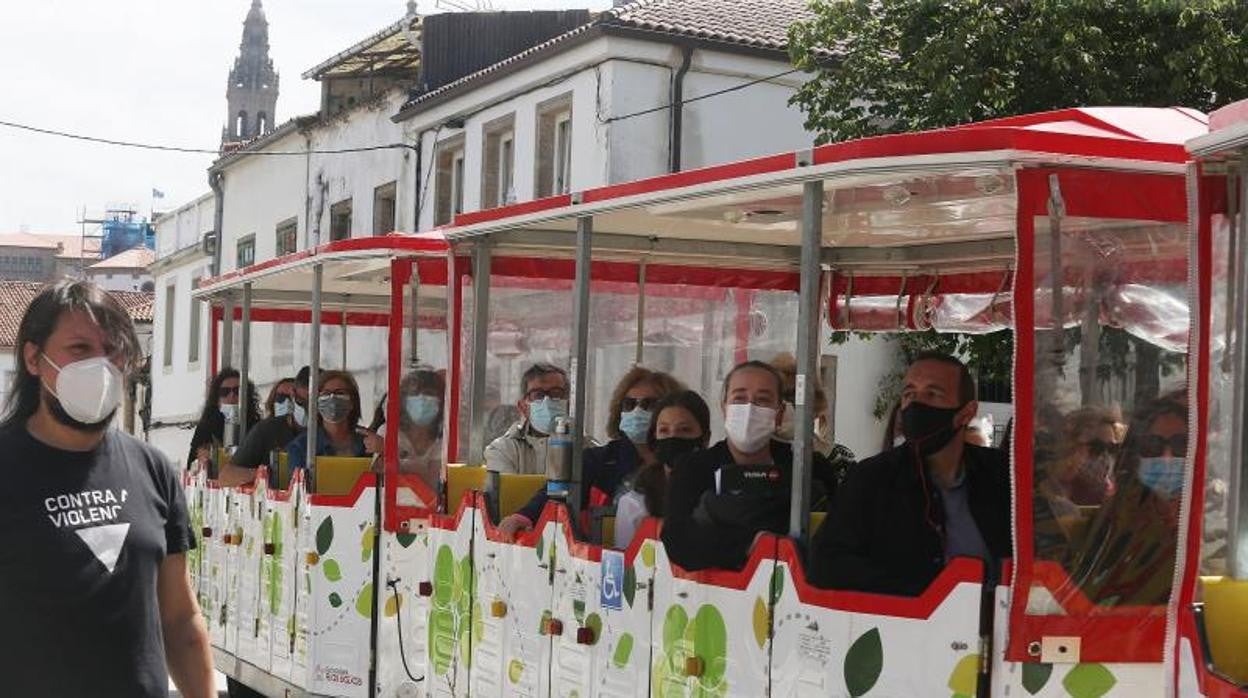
(612, 596)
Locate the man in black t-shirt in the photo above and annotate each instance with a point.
(94, 590)
(271, 434)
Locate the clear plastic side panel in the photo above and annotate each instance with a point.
(612, 351)
(1110, 411)
(1219, 430)
(422, 390)
(467, 329)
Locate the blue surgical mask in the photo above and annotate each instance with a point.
(544, 412)
(422, 410)
(635, 424)
(1163, 475)
(281, 408)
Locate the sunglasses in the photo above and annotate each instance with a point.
(628, 404)
(227, 391)
(1152, 445)
(1098, 448)
(537, 394)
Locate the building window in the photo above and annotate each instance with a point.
(171, 295)
(498, 169)
(287, 237)
(246, 252)
(450, 174)
(554, 147)
(385, 208)
(192, 348)
(340, 220)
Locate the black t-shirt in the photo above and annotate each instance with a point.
(269, 434)
(82, 537)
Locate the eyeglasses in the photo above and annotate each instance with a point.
(227, 390)
(538, 394)
(1153, 445)
(628, 404)
(334, 393)
(1098, 448)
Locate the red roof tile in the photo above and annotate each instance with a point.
(15, 296)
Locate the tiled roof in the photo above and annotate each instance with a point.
(756, 24)
(70, 245)
(135, 258)
(15, 296)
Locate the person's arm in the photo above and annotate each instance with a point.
(839, 556)
(690, 543)
(629, 511)
(187, 651)
(297, 452)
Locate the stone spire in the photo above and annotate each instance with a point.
(251, 95)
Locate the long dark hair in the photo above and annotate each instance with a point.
(39, 323)
(212, 401)
(652, 479)
(271, 401)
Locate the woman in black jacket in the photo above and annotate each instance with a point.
(222, 399)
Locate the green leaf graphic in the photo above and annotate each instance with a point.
(540, 548)
(325, 535)
(366, 543)
(1035, 676)
(965, 676)
(578, 610)
(335, 600)
(623, 650)
(710, 642)
(1088, 681)
(331, 569)
(364, 602)
(406, 539)
(630, 585)
(594, 622)
(674, 624)
(777, 584)
(863, 663)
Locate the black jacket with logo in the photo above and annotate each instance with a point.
(878, 538)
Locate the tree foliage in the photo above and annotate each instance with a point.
(887, 66)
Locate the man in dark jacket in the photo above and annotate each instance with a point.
(709, 523)
(903, 514)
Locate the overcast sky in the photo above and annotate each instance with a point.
(151, 71)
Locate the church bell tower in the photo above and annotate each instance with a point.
(251, 95)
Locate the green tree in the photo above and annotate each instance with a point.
(887, 66)
(890, 66)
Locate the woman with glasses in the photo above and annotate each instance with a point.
(338, 431)
(220, 406)
(606, 468)
(1077, 471)
(1127, 557)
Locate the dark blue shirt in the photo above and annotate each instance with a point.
(603, 468)
(297, 449)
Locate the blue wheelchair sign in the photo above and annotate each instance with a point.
(612, 596)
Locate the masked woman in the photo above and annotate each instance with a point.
(338, 430)
(220, 406)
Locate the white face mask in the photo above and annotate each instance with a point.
(749, 427)
(230, 412)
(300, 413)
(89, 390)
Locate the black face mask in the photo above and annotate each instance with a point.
(672, 449)
(929, 427)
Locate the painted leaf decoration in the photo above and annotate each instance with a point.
(515, 669)
(443, 576)
(647, 554)
(710, 642)
(364, 602)
(366, 543)
(623, 650)
(777, 584)
(393, 604)
(630, 585)
(540, 548)
(674, 624)
(760, 621)
(965, 675)
(578, 609)
(863, 663)
(1089, 681)
(325, 535)
(1035, 676)
(406, 539)
(335, 600)
(594, 622)
(332, 572)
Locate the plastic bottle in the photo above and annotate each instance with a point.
(559, 459)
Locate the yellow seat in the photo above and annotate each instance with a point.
(608, 532)
(514, 491)
(816, 520)
(283, 471)
(1226, 616)
(338, 474)
(460, 479)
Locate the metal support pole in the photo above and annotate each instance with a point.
(639, 354)
(314, 378)
(480, 333)
(1237, 493)
(343, 336)
(413, 305)
(1057, 210)
(227, 333)
(580, 349)
(244, 366)
(807, 355)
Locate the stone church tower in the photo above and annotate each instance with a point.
(251, 95)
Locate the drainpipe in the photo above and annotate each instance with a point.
(420, 176)
(676, 118)
(216, 181)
